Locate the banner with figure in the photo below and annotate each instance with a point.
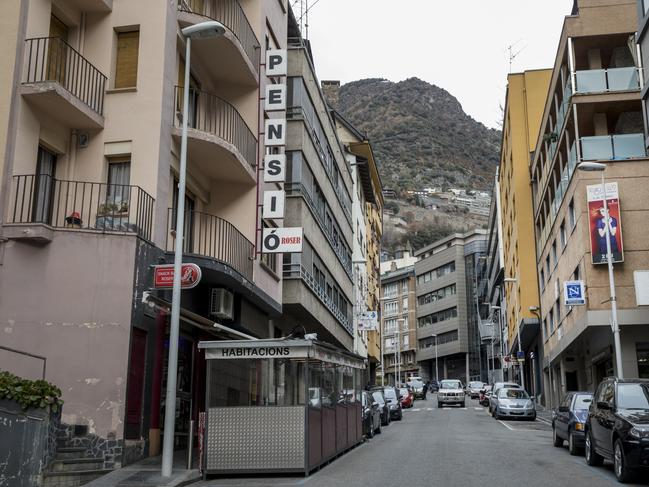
(600, 219)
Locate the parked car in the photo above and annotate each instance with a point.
(384, 408)
(392, 397)
(617, 427)
(417, 386)
(371, 415)
(494, 391)
(569, 420)
(513, 403)
(450, 392)
(407, 397)
(473, 389)
(433, 386)
(485, 394)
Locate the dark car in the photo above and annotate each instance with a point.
(569, 421)
(383, 406)
(371, 415)
(393, 399)
(433, 386)
(617, 427)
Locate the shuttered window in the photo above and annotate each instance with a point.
(126, 61)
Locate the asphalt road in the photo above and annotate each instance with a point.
(451, 447)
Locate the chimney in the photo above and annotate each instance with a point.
(331, 90)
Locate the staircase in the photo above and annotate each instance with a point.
(71, 467)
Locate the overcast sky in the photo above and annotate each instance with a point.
(459, 45)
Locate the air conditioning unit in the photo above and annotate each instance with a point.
(222, 304)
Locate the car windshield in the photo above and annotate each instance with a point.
(475, 385)
(415, 383)
(633, 396)
(583, 402)
(378, 397)
(513, 394)
(403, 391)
(450, 384)
(389, 393)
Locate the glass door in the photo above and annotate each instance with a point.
(44, 186)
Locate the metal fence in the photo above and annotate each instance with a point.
(210, 236)
(211, 114)
(231, 15)
(52, 59)
(81, 205)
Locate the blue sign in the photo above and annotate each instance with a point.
(520, 355)
(574, 293)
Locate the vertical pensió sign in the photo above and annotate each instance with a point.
(276, 240)
(599, 218)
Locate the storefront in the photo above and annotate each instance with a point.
(279, 405)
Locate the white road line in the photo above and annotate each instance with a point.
(416, 409)
(463, 409)
(478, 409)
(429, 409)
(507, 426)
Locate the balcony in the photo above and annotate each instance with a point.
(219, 141)
(612, 147)
(62, 83)
(607, 80)
(78, 205)
(215, 238)
(233, 57)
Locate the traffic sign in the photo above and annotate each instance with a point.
(163, 276)
(574, 293)
(520, 355)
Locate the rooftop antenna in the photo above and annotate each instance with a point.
(305, 8)
(512, 54)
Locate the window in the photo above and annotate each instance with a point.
(390, 290)
(390, 308)
(447, 314)
(437, 273)
(562, 235)
(126, 59)
(571, 214)
(404, 305)
(551, 321)
(390, 326)
(645, 6)
(542, 279)
(555, 260)
(119, 174)
(547, 266)
(406, 342)
(442, 338)
(44, 185)
(404, 287)
(436, 295)
(269, 260)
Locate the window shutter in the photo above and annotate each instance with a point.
(127, 54)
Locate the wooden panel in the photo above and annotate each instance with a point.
(328, 432)
(341, 427)
(127, 56)
(315, 437)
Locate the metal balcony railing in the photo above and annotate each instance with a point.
(50, 59)
(232, 16)
(40, 198)
(210, 236)
(211, 114)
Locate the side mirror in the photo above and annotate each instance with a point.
(603, 405)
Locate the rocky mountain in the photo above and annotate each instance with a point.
(420, 134)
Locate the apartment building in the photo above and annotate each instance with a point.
(398, 318)
(367, 205)
(524, 103)
(448, 338)
(593, 112)
(90, 131)
(318, 287)
(642, 38)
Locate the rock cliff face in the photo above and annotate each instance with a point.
(420, 134)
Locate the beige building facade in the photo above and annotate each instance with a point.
(90, 126)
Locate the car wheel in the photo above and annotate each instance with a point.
(497, 414)
(556, 440)
(439, 405)
(592, 457)
(463, 404)
(572, 448)
(370, 433)
(622, 472)
(378, 430)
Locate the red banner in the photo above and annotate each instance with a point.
(600, 218)
(163, 276)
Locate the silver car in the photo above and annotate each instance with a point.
(494, 392)
(513, 403)
(450, 392)
(473, 389)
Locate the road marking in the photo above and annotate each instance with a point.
(478, 409)
(416, 409)
(429, 409)
(543, 420)
(507, 426)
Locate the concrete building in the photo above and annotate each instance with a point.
(642, 38)
(318, 283)
(447, 308)
(593, 113)
(90, 117)
(524, 103)
(398, 318)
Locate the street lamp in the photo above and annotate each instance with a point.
(598, 166)
(202, 30)
(502, 342)
(436, 366)
(514, 280)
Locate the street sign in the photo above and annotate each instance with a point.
(278, 240)
(163, 276)
(520, 355)
(574, 293)
(368, 320)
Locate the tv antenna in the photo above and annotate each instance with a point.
(512, 54)
(303, 19)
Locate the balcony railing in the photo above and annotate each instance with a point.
(211, 114)
(603, 80)
(612, 147)
(297, 271)
(50, 59)
(81, 205)
(231, 15)
(210, 236)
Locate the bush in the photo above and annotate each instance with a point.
(29, 393)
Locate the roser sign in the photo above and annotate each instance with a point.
(276, 240)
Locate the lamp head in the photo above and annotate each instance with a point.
(204, 30)
(591, 166)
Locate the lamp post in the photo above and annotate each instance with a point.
(436, 366)
(203, 30)
(400, 322)
(598, 166)
(502, 342)
(514, 280)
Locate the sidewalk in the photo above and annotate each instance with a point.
(146, 473)
(543, 414)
